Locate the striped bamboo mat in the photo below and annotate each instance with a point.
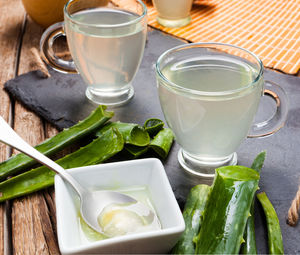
(269, 28)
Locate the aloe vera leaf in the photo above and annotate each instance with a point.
(274, 232)
(249, 246)
(99, 150)
(259, 161)
(192, 214)
(162, 142)
(132, 133)
(227, 210)
(20, 162)
(135, 151)
(153, 126)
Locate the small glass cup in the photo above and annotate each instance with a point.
(173, 13)
(106, 44)
(209, 94)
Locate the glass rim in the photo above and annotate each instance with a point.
(136, 20)
(206, 93)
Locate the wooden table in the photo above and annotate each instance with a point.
(27, 225)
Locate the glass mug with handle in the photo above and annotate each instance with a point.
(106, 43)
(209, 94)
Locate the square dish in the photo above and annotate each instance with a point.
(143, 172)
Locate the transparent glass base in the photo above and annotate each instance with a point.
(174, 22)
(108, 97)
(204, 168)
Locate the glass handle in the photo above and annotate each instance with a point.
(47, 53)
(277, 121)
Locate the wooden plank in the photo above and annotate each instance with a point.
(33, 229)
(11, 18)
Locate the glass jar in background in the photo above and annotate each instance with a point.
(173, 13)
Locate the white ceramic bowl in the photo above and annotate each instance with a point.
(143, 172)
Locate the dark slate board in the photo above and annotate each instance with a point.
(61, 100)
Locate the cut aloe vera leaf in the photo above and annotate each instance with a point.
(153, 126)
(132, 133)
(101, 149)
(274, 232)
(192, 214)
(21, 162)
(162, 142)
(135, 151)
(249, 246)
(227, 210)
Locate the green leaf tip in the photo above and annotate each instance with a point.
(239, 173)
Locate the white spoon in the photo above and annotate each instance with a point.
(91, 203)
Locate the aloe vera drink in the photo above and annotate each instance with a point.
(107, 48)
(211, 120)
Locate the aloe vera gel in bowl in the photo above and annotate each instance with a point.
(146, 181)
(122, 219)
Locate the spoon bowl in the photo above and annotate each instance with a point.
(92, 203)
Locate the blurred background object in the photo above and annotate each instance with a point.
(173, 13)
(45, 12)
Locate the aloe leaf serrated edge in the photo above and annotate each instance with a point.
(21, 162)
(101, 149)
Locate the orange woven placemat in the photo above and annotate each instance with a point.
(269, 28)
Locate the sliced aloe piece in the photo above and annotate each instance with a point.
(153, 126)
(132, 133)
(135, 151)
(162, 142)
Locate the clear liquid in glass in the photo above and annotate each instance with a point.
(210, 128)
(106, 57)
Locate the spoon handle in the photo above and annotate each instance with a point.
(11, 138)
